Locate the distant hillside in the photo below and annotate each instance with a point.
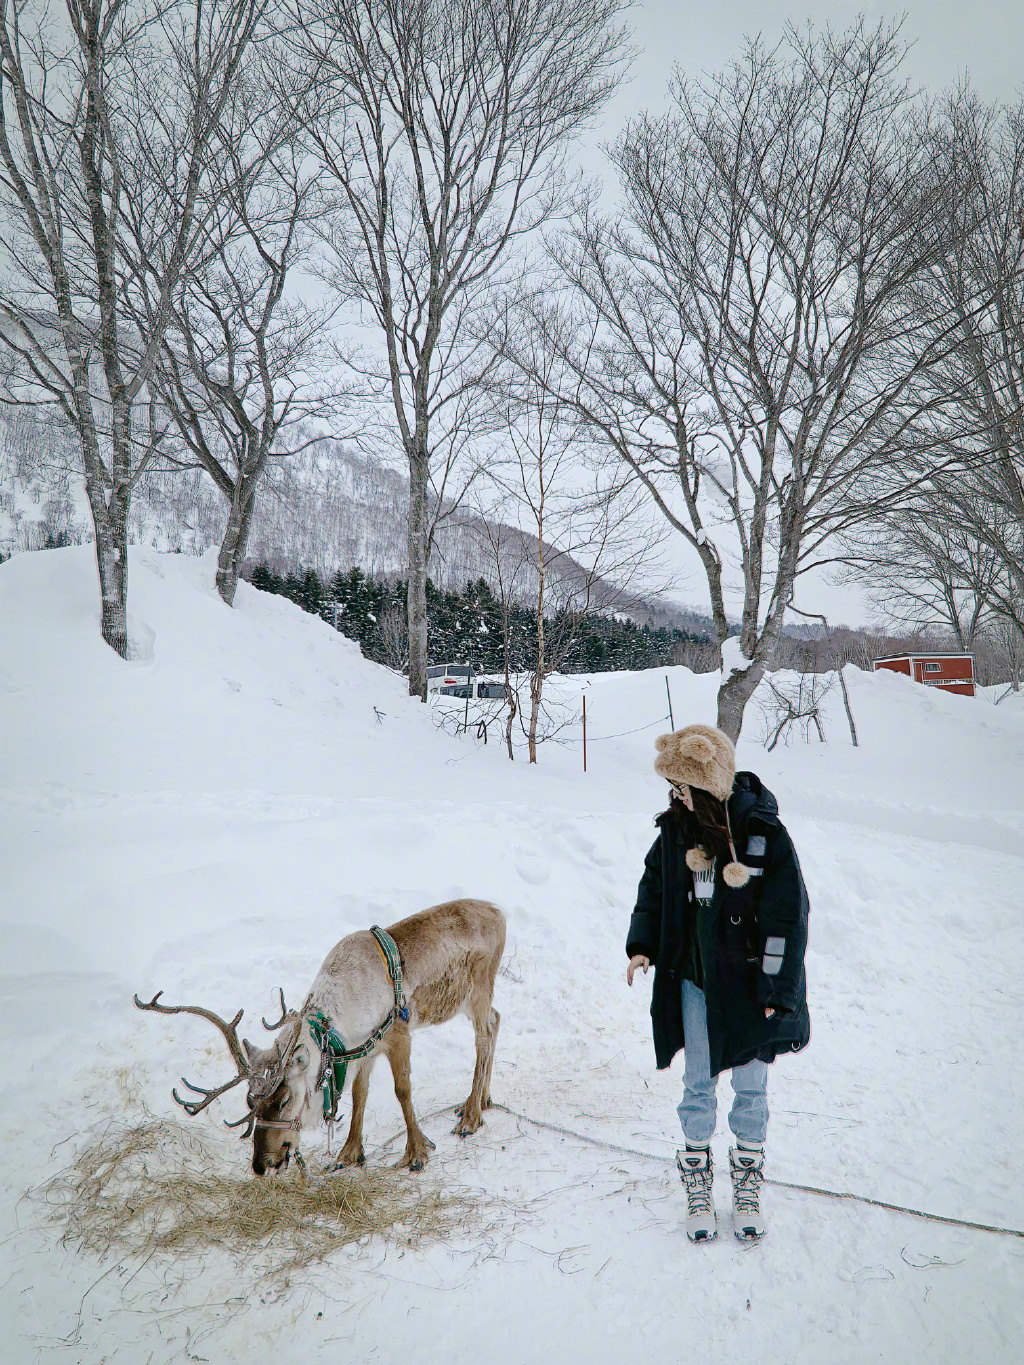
(331, 508)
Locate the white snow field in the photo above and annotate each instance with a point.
(211, 817)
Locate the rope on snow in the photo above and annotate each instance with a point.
(780, 1184)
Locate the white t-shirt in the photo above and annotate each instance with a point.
(704, 882)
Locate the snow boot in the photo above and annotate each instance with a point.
(696, 1173)
(747, 1170)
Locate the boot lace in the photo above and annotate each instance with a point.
(698, 1185)
(746, 1188)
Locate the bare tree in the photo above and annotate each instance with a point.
(509, 563)
(964, 463)
(945, 540)
(109, 125)
(794, 703)
(442, 126)
(581, 528)
(841, 653)
(740, 336)
(240, 369)
(922, 571)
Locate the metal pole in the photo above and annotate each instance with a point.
(669, 695)
(584, 732)
(465, 723)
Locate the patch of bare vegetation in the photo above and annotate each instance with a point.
(156, 1187)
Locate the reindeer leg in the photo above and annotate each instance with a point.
(495, 1025)
(417, 1145)
(352, 1153)
(485, 1022)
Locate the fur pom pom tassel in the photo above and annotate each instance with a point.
(697, 860)
(734, 874)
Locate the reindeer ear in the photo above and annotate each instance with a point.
(251, 1052)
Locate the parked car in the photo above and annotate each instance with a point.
(450, 680)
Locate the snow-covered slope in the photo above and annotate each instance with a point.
(209, 818)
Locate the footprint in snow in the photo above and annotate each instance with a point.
(532, 867)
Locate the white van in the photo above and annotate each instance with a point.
(459, 680)
(450, 680)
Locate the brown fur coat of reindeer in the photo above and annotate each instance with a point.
(449, 954)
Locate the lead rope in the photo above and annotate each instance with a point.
(779, 1184)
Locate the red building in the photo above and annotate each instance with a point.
(951, 672)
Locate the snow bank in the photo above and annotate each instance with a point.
(209, 818)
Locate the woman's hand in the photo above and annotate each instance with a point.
(768, 1011)
(634, 962)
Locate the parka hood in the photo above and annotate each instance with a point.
(751, 799)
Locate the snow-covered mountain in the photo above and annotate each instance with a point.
(209, 818)
(330, 507)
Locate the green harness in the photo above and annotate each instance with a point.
(334, 1056)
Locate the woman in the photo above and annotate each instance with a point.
(727, 938)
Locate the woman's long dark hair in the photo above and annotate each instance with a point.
(704, 827)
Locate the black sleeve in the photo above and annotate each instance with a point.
(783, 925)
(645, 926)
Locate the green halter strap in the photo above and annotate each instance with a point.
(334, 1056)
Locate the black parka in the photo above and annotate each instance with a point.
(751, 938)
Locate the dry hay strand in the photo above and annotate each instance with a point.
(156, 1187)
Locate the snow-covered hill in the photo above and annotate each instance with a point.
(209, 818)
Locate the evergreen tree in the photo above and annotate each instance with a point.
(265, 580)
(466, 626)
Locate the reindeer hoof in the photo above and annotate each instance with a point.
(467, 1128)
(416, 1159)
(348, 1158)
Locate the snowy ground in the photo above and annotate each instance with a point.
(209, 818)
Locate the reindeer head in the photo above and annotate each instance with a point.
(280, 1095)
(281, 1083)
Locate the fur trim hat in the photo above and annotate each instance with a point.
(701, 756)
(697, 756)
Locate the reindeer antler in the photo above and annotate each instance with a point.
(193, 1107)
(284, 1014)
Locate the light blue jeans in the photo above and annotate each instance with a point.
(748, 1118)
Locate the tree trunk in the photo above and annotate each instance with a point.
(846, 703)
(733, 695)
(537, 680)
(738, 688)
(511, 696)
(110, 528)
(536, 688)
(417, 594)
(235, 539)
(111, 531)
(512, 707)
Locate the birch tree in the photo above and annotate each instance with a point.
(109, 115)
(442, 126)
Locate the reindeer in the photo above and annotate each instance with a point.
(447, 958)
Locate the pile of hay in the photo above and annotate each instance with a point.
(156, 1186)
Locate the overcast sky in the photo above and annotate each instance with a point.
(948, 38)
